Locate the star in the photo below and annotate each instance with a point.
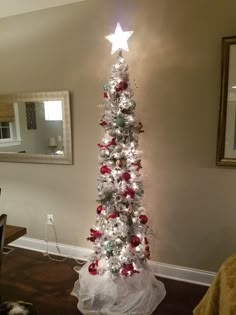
(119, 39)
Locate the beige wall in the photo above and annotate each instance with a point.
(175, 59)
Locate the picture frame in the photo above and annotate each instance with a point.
(226, 140)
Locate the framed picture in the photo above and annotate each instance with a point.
(226, 143)
(30, 115)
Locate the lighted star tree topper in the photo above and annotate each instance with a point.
(119, 39)
(117, 280)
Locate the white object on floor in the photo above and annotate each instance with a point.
(139, 294)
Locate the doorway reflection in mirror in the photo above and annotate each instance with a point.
(35, 144)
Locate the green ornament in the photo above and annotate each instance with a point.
(132, 105)
(105, 86)
(109, 247)
(120, 121)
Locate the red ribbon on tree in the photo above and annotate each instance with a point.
(103, 123)
(113, 215)
(112, 142)
(121, 86)
(138, 164)
(94, 234)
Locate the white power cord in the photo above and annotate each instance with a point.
(46, 253)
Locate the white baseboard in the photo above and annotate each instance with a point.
(179, 273)
(76, 252)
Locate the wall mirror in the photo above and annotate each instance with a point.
(35, 128)
(226, 147)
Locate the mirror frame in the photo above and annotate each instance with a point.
(221, 160)
(66, 158)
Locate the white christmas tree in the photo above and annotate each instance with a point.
(117, 279)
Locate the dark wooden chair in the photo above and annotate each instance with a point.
(3, 221)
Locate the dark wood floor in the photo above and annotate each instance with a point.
(30, 276)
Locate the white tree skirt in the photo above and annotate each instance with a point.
(139, 294)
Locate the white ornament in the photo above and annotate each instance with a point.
(141, 209)
(118, 241)
(119, 39)
(123, 186)
(110, 162)
(102, 263)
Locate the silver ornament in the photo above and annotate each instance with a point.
(110, 163)
(118, 198)
(112, 132)
(118, 148)
(101, 272)
(102, 153)
(101, 194)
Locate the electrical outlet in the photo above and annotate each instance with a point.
(50, 219)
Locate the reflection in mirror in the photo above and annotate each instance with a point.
(35, 127)
(226, 147)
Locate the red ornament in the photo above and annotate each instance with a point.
(92, 269)
(105, 95)
(126, 176)
(135, 241)
(99, 209)
(105, 169)
(145, 241)
(123, 85)
(143, 218)
(113, 215)
(129, 193)
(128, 269)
